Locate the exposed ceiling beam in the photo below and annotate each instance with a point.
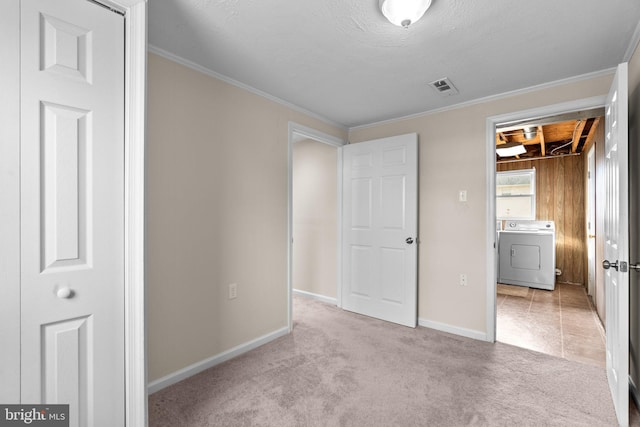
(528, 159)
(576, 115)
(542, 146)
(592, 132)
(577, 135)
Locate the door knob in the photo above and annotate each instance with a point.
(607, 265)
(64, 293)
(635, 267)
(409, 240)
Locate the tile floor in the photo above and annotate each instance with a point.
(562, 322)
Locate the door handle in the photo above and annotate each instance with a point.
(635, 267)
(591, 236)
(64, 293)
(607, 265)
(409, 240)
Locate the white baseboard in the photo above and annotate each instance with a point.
(319, 297)
(198, 367)
(469, 333)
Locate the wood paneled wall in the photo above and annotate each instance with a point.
(560, 197)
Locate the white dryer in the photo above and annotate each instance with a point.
(527, 254)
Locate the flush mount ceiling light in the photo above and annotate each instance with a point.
(404, 12)
(510, 149)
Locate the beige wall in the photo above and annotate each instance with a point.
(216, 214)
(315, 225)
(634, 223)
(453, 234)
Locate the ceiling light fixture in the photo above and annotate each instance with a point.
(510, 149)
(404, 12)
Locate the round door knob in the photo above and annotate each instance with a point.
(409, 240)
(64, 293)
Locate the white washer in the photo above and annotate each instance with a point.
(527, 254)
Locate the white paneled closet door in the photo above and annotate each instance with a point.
(72, 209)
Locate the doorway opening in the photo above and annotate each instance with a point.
(561, 320)
(314, 212)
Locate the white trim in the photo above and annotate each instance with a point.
(316, 135)
(491, 244)
(491, 247)
(204, 70)
(295, 132)
(575, 79)
(456, 330)
(135, 136)
(633, 44)
(311, 295)
(339, 264)
(210, 362)
(10, 203)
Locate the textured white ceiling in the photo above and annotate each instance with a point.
(342, 60)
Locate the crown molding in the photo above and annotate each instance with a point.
(197, 67)
(204, 70)
(574, 79)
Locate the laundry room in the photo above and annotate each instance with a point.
(544, 190)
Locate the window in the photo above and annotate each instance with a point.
(516, 194)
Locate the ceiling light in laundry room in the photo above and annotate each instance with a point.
(510, 149)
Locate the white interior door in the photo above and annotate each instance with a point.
(380, 228)
(72, 209)
(616, 249)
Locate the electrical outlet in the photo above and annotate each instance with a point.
(463, 279)
(233, 291)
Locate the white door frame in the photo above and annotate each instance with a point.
(591, 220)
(491, 244)
(135, 119)
(298, 132)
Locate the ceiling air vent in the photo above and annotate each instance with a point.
(444, 87)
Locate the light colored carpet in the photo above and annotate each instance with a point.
(342, 369)
(513, 290)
